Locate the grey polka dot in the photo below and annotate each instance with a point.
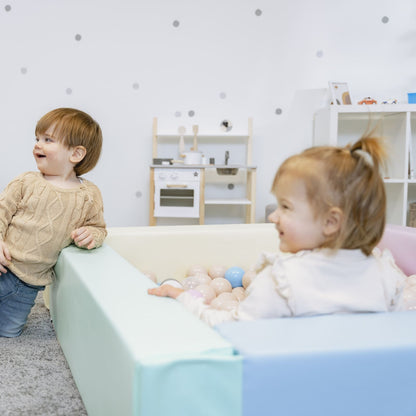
(176, 23)
(258, 12)
(138, 194)
(385, 19)
(178, 114)
(23, 70)
(78, 37)
(223, 95)
(136, 86)
(230, 186)
(191, 113)
(278, 111)
(319, 54)
(7, 7)
(68, 91)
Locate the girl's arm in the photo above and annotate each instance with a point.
(167, 291)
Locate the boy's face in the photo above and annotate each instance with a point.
(52, 157)
(296, 223)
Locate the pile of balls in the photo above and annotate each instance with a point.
(219, 286)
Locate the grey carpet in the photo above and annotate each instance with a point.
(35, 378)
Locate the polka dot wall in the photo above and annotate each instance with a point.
(192, 63)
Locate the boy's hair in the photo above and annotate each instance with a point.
(348, 178)
(73, 128)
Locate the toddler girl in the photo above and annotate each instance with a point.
(330, 215)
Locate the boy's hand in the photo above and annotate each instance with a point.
(165, 291)
(83, 238)
(5, 257)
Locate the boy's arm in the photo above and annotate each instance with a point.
(93, 232)
(9, 202)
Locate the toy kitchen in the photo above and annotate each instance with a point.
(196, 169)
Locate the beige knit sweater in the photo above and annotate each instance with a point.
(37, 218)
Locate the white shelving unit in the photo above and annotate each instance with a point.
(343, 124)
(214, 142)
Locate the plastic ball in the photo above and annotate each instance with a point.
(203, 278)
(221, 285)
(239, 293)
(207, 292)
(196, 268)
(235, 276)
(248, 277)
(217, 271)
(191, 282)
(225, 301)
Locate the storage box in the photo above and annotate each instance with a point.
(411, 97)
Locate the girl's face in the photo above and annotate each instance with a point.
(52, 157)
(298, 226)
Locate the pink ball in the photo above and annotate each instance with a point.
(248, 277)
(217, 271)
(207, 292)
(221, 285)
(196, 268)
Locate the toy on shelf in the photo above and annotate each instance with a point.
(367, 101)
(390, 101)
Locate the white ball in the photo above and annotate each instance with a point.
(207, 292)
(196, 268)
(248, 277)
(239, 293)
(217, 271)
(221, 285)
(203, 278)
(225, 301)
(191, 282)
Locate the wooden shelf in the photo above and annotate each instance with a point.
(342, 124)
(164, 137)
(228, 201)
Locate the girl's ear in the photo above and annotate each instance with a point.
(333, 221)
(78, 153)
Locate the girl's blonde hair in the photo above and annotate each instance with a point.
(74, 128)
(348, 178)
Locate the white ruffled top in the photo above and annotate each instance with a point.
(313, 282)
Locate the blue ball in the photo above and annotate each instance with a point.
(235, 276)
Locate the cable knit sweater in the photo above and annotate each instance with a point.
(37, 218)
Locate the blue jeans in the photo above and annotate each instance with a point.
(16, 301)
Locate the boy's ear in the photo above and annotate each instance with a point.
(78, 153)
(333, 221)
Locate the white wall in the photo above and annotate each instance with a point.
(127, 61)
